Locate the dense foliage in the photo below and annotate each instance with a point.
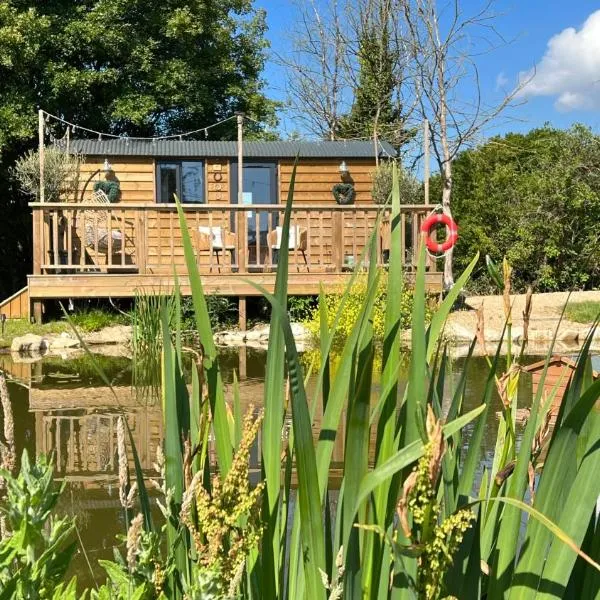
(411, 191)
(136, 67)
(534, 198)
(375, 111)
(352, 302)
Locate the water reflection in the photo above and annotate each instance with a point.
(63, 407)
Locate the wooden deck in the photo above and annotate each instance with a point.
(90, 250)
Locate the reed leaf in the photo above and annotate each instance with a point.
(214, 380)
(408, 455)
(440, 316)
(309, 496)
(274, 415)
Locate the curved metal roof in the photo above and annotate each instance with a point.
(210, 149)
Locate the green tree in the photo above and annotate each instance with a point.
(121, 66)
(376, 109)
(534, 198)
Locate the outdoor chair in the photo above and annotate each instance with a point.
(216, 240)
(99, 234)
(298, 241)
(385, 240)
(96, 226)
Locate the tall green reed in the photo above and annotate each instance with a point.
(146, 340)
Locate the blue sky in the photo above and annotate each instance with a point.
(566, 88)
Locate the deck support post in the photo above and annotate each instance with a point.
(243, 368)
(37, 310)
(242, 313)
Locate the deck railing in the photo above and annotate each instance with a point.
(228, 238)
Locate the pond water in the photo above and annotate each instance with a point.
(62, 406)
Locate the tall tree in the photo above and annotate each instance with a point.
(445, 83)
(377, 110)
(345, 73)
(122, 66)
(317, 86)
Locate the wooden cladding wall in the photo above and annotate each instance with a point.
(316, 178)
(17, 305)
(135, 177)
(217, 181)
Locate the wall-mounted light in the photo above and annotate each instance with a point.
(344, 168)
(107, 166)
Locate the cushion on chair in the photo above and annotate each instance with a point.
(215, 234)
(293, 239)
(90, 239)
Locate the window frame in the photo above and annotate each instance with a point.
(178, 162)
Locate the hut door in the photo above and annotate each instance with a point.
(259, 188)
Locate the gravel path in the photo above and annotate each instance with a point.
(546, 310)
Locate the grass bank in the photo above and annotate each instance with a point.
(86, 321)
(583, 312)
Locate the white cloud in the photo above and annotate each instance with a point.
(570, 68)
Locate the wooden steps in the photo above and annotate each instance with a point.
(17, 305)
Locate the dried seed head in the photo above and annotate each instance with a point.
(123, 463)
(438, 445)
(480, 334)
(134, 538)
(8, 455)
(507, 271)
(402, 507)
(131, 495)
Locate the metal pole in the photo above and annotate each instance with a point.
(426, 156)
(41, 152)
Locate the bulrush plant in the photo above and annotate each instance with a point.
(459, 534)
(415, 516)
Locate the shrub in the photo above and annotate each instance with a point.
(61, 174)
(354, 306)
(410, 189)
(36, 551)
(300, 308)
(96, 319)
(534, 198)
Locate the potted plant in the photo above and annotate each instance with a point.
(112, 189)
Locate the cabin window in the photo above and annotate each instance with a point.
(184, 178)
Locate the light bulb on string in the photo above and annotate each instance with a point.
(206, 134)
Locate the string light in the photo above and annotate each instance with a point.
(100, 134)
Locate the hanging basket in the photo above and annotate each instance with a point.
(111, 188)
(344, 193)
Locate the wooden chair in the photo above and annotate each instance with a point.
(298, 240)
(96, 227)
(216, 240)
(100, 236)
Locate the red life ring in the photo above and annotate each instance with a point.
(452, 232)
